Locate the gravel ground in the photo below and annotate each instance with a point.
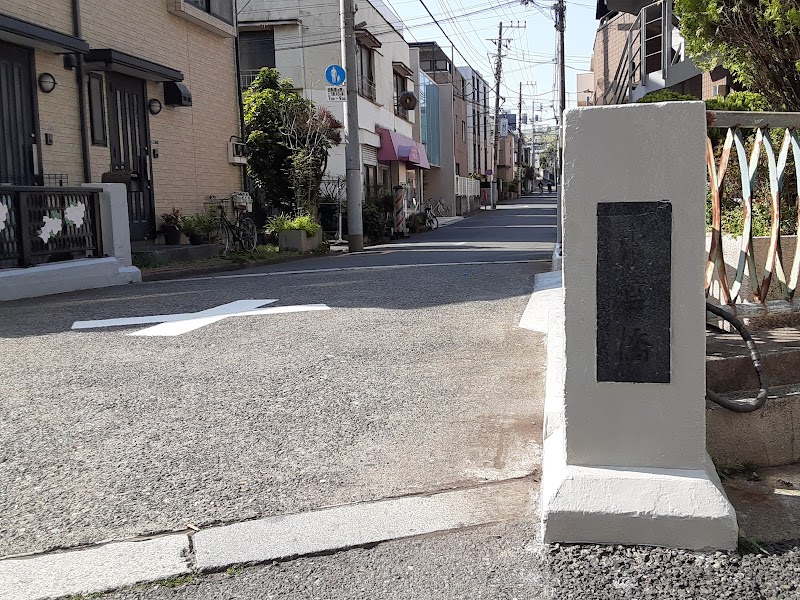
(610, 572)
(418, 379)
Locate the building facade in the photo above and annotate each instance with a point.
(302, 41)
(479, 147)
(639, 50)
(142, 93)
(451, 182)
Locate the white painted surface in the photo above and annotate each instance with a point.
(93, 570)
(659, 154)
(178, 324)
(623, 462)
(114, 221)
(287, 536)
(67, 276)
(548, 289)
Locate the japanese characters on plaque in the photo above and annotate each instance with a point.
(634, 247)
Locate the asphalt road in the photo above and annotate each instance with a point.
(417, 379)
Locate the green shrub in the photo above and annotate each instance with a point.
(285, 223)
(664, 96)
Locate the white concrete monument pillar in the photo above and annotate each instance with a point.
(625, 452)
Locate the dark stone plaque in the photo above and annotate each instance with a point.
(634, 248)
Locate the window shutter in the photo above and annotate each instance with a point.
(369, 155)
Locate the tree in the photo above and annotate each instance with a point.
(288, 139)
(757, 40)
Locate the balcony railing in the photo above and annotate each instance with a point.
(366, 87)
(762, 281)
(42, 225)
(248, 77)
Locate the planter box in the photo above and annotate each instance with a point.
(298, 241)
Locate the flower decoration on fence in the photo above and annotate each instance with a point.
(75, 214)
(3, 216)
(52, 227)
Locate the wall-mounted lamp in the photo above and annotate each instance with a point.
(47, 83)
(154, 106)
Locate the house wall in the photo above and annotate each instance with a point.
(477, 98)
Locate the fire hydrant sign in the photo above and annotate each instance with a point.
(336, 94)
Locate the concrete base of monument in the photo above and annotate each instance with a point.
(651, 507)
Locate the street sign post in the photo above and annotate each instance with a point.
(335, 75)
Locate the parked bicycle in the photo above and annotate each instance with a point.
(431, 221)
(441, 208)
(241, 234)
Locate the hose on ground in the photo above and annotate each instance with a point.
(744, 405)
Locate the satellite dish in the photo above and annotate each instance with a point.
(407, 101)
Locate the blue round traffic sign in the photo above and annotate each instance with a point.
(336, 75)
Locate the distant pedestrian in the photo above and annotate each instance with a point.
(549, 186)
(541, 187)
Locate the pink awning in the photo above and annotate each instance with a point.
(395, 146)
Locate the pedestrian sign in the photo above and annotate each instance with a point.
(336, 94)
(335, 75)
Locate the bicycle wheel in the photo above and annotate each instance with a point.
(247, 233)
(441, 209)
(432, 221)
(222, 236)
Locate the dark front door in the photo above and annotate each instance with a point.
(127, 110)
(17, 122)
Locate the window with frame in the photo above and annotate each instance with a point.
(222, 9)
(400, 86)
(97, 110)
(366, 71)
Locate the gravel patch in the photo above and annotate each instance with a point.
(583, 572)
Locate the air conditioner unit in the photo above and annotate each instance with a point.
(720, 90)
(237, 153)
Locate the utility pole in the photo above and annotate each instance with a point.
(498, 74)
(519, 143)
(352, 153)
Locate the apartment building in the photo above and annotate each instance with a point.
(144, 94)
(302, 41)
(479, 134)
(639, 49)
(108, 90)
(451, 181)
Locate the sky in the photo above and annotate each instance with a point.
(530, 52)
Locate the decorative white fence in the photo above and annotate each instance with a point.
(466, 186)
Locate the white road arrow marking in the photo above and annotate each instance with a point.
(173, 325)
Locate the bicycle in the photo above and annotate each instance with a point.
(242, 233)
(431, 221)
(441, 209)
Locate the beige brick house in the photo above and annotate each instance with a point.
(114, 90)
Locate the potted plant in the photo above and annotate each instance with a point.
(172, 227)
(416, 222)
(198, 227)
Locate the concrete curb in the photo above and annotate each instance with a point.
(97, 569)
(350, 526)
(122, 564)
(180, 273)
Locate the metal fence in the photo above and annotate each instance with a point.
(41, 225)
(761, 168)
